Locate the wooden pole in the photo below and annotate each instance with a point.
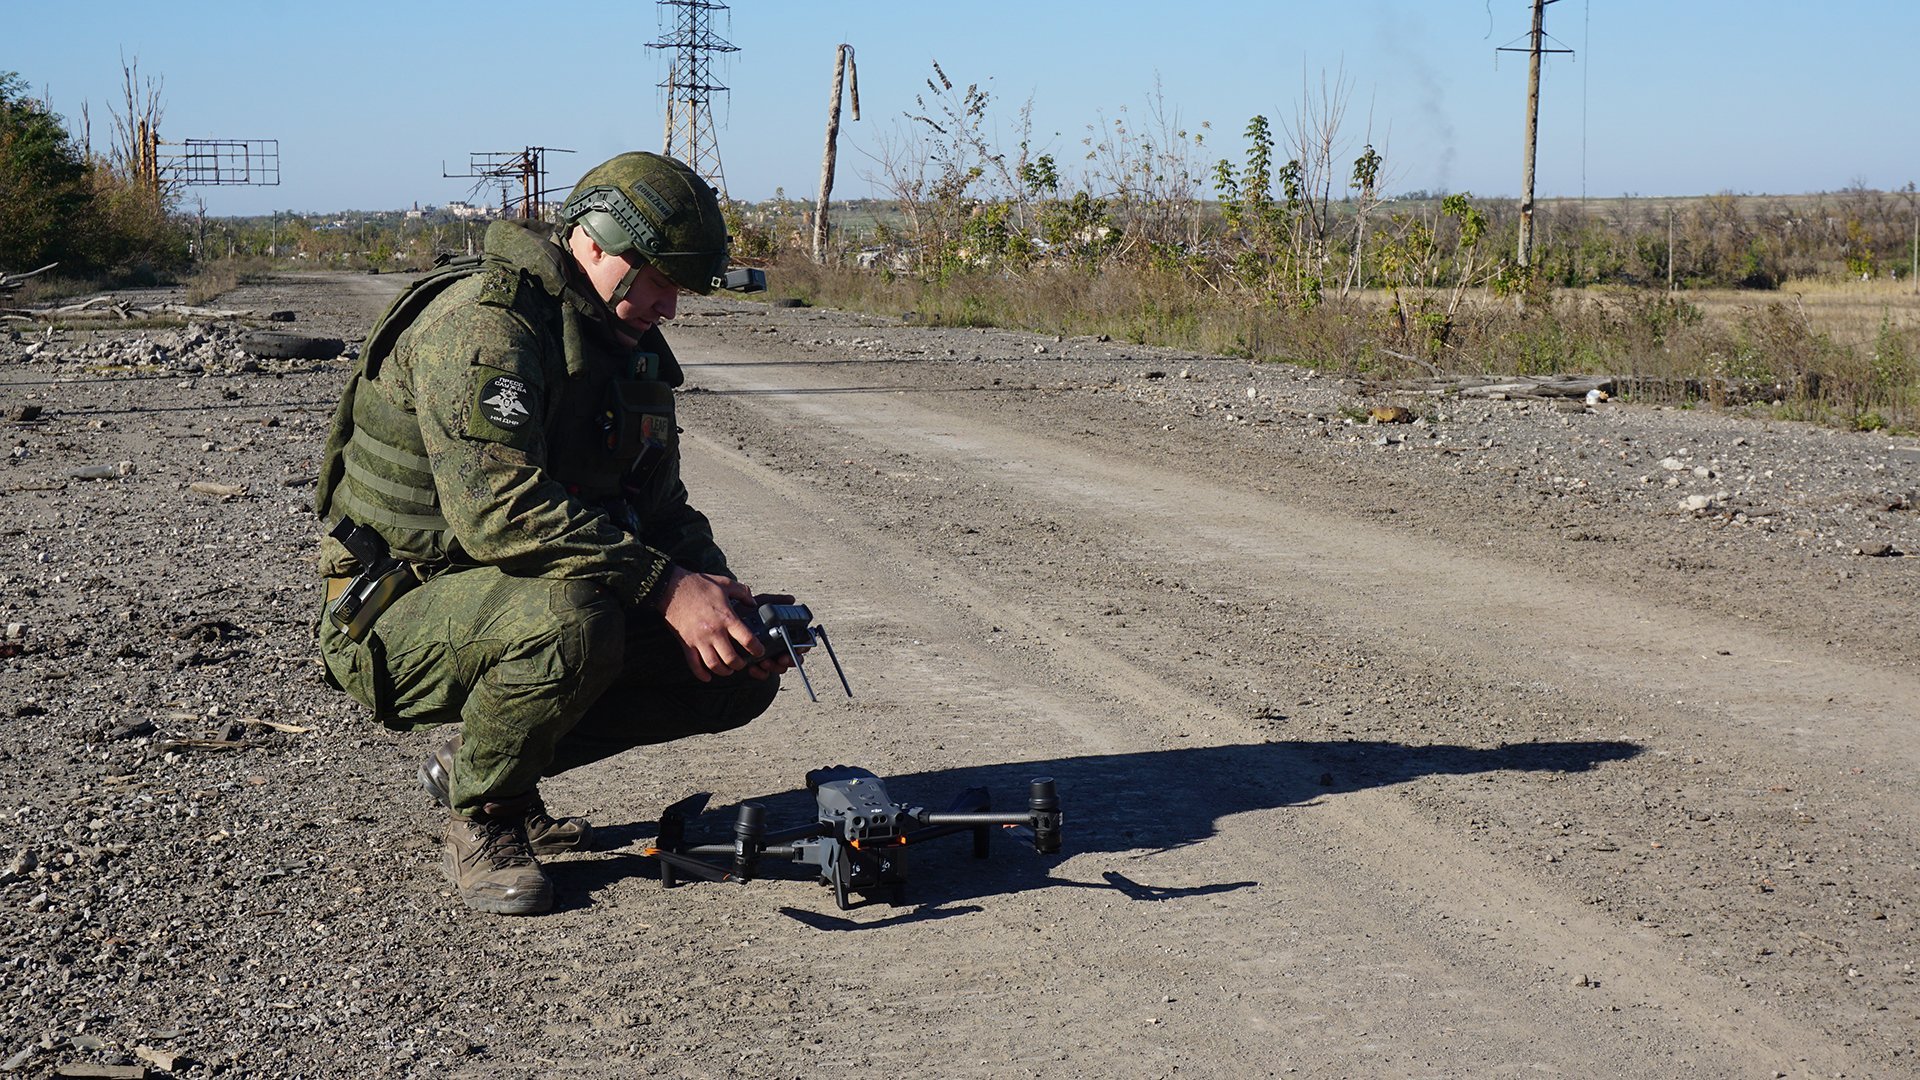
(843, 64)
(1669, 249)
(1533, 134)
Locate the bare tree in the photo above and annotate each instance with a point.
(1150, 173)
(136, 132)
(1314, 144)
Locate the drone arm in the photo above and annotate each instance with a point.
(1042, 816)
(684, 862)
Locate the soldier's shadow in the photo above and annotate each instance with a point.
(1112, 803)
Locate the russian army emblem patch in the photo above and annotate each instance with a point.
(503, 401)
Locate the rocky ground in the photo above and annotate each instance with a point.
(1524, 736)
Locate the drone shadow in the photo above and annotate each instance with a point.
(1157, 801)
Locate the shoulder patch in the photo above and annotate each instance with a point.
(504, 402)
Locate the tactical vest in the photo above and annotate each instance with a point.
(606, 416)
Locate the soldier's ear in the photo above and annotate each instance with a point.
(584, 246)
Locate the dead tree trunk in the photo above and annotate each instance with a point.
(843, 70)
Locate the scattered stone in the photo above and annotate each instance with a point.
(102, 1072)
(102, 472)
(24, 863)
(132, 730)
(164, 1060)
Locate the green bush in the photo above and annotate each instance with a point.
(59, 205)
(43, 181)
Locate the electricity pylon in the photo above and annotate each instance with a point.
(690, 86)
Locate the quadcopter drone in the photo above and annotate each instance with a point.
(857, 842)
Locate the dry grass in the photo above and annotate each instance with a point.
(215, 278)
(1846, 354)
(1851, 312)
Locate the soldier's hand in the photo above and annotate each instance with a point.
(699, 608)
(776, 662)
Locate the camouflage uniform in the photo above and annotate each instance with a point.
(526, 464)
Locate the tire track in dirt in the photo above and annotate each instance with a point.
(1438, 599)
(1290, 551)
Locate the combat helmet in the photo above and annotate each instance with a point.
(657, 210)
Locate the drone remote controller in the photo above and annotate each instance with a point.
(789, 630)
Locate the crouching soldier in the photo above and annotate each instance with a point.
(512, 548)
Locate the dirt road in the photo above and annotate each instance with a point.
(1383, 754)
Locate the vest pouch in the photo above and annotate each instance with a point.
(642, 416)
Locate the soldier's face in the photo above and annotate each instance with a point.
(652, 300)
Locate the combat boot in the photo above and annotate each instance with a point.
(492, 865)
(547, 834)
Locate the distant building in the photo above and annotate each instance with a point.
(466, 211)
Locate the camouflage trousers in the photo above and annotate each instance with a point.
(543, 675)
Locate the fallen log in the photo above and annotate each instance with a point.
(109, 304)
(10, 282)
(1513, 386)
(205, 312)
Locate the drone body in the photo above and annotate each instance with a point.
(858, 839)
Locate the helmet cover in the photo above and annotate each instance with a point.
(657, 211)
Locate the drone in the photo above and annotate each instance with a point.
(857, 844)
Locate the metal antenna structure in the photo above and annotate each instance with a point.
(205, 162)
(690, 85)
(529, 166)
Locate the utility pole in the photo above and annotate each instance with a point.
(690, 86)
(1533, 50)
(843, 69)
(1913, 266)
(1669, 249)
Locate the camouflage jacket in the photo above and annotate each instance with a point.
(507, 426)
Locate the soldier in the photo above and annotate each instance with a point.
(504, 479)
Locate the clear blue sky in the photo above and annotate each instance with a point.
(1664, 97)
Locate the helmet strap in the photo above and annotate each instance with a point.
(626, 280)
